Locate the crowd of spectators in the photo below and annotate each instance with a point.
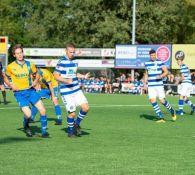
(125, 84)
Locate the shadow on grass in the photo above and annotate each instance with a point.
(51, 119)
(9, 140)
(148, 117)
(5, 103)
(37, 120)
(83, 133)
(34, 129)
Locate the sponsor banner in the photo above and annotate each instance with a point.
(4, 50)
(108, 52)
(189, 50)
(134, 56)
(44, 62)
(43, 52)
(89, 63)
(88, 52)
(80, 52)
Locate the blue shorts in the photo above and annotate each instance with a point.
(45, 93)
(26, 97)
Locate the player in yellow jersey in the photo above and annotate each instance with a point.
(20, 72)
(48, 87)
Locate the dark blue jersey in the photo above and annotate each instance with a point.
(1, 69)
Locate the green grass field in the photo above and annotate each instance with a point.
(120, 138)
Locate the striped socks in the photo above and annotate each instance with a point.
(70, 122)
(180, 104)
(80, 117)
(168, 106)
(189, 103)
(157, 110)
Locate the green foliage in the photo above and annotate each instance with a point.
(94, 23)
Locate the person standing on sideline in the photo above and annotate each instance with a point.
(156, 71)
(186, 84)
(2, 87)
(72, 96)
(20, 73)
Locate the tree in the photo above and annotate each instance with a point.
(94, 23)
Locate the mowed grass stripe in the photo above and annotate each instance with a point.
(117, 140)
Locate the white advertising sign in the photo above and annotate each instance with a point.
(126, 52)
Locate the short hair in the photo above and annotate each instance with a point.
(152, 51)
(17, 46)
(70, 45)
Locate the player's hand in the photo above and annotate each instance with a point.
(87, 75)
(34, 83)
(14, 88)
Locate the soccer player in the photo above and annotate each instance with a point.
(2, 87)
(186, 84)
(156, 71)
(20, 72)
(48, 87)
(72, 96)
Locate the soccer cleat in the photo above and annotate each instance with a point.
(179, 112)
(28, 132)
(174, 117)
(160, 121)
(5, 102)
(45, 135)
(58, 122)
(193, 110)
(71, 135)
(77, 128)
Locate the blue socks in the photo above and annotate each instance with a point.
(80, 117)
(168, 106)
(34, 111)
(58, 112)
(70, 122)
(43, 120)
(180, 104)
(157, 110)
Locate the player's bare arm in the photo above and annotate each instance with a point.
(164, 74)
(59, 78)
(9, 84)
(36, 80)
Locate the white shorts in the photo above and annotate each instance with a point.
(156, 92)
(71, 101)
(185, 89)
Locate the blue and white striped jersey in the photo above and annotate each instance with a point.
(184, 70)
(154, 69)
(68, 69)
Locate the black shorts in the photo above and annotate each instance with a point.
(1, 80)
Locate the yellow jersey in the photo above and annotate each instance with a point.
(20, 75)
(46, 78)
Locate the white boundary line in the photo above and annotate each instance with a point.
(91, 105)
